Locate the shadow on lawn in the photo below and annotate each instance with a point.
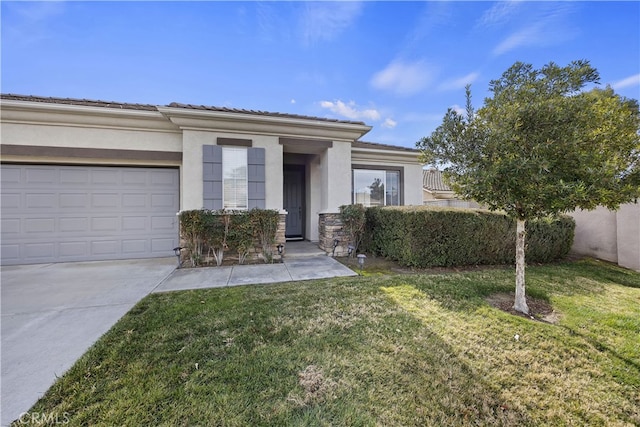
(467, 389)
(604, 348)
(609, 272)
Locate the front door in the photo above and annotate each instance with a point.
(294, 201)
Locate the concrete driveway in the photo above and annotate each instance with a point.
(52, 313)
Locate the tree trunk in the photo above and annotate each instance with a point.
(521, 300)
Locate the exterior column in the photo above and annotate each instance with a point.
(335, 169)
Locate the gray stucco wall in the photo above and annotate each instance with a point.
(609, 235)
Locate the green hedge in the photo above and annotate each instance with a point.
(444, 237)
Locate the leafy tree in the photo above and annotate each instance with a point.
(541, 145)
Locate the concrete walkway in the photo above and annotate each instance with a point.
(317, 267)
(53, 313)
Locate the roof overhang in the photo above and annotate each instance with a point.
(32, 112)
(226, 121)
(385, 154)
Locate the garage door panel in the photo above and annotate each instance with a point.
(105, 200)
(162, 246)
(40, 201)
(163, 178)
(87, 213)
(10, 253)
(132, 247)
(162, 222)
(73, 249)
(105, 247)
(40, 225)
(135, 223)
(11, 176)
(74, 201)
(134, 201)
(11, 200)
(135, 178)
(10, 226)
(39, 251)
(161, 200)
(74, 177)
(102, 224)
(73, 225)
(105, 177)
(42, 175)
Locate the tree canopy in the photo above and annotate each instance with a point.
(543, 144)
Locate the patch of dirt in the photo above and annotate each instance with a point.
(316, 386)
(539, 310)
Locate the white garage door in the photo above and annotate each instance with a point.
(53, 213)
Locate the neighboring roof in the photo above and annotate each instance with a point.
(432, 180)
(148, 107)
(376, 145)
(81, 102)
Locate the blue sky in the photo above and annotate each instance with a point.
(397, 66)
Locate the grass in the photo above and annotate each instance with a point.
(387, 349)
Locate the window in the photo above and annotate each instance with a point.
(376, 187)
(234, 178)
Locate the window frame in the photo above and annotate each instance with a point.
(399, 169)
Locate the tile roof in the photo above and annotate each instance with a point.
(374, 145)
(258, 112)
(149, 107)
(82, 102)
(433, 180)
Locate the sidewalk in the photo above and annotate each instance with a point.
(317, 267)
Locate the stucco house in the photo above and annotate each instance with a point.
(95, 180)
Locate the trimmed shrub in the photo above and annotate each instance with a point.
(442, 237)
(214, 232)
(353, 219)
(264, 224)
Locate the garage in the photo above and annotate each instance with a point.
(60, 213)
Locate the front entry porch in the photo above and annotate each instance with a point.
(302, 249)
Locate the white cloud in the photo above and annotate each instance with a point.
(499, 13)
(525, 37)
(293, 101)
(350, 110)
(459, 83)
(326, 20)
(389, 123)
(403, 78)
(627, 82)
(541, 24)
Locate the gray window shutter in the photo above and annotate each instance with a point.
(256, 179)
(212, 176)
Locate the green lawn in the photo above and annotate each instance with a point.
(388, 350)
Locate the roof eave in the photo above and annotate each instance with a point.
(21, 111)
(243, 122)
